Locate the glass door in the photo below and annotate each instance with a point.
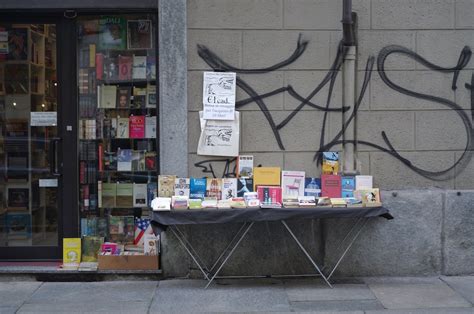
(30, 162)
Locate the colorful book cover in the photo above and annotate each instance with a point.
(229, 188)
(112, 33)
(266, 176)
(245, 166)
(330, 163)
(139, 68)
(292, 183)
(152, 192)
(150, 127)
(347, 186)
(124, 160)
(124, 195)
(142, 227)
(151, 244)
(71, 252)
(90, 248)
(137, 127)
(109, 194)
(182, 187)
(140, 194)
(269, 194)
(123, 97)
(312, 187)
(197, 188)
(214, 188)
(244, 185)
(331, 186)
(150, 161)
(125, 68)
(123, 128)
(369, 197)
(363, 182)
(151, 96)
(166, 185)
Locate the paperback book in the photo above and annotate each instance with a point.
(166, 185)
(214, 188)
(124, 195)
(197, 188)
(330, 163)
(124, 160)
(347, 186)
(137, 127)
(140, 192)
(266, 176)
(292, 183)
(312, 187)
(245, 166)
(182, 187)
(243, 186)
(122, 128)
(331, 185)
(229, 188)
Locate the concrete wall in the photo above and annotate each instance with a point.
(432, 232)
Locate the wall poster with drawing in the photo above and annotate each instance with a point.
(219, 137)
(218, 95)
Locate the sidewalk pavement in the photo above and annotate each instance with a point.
(364, 295)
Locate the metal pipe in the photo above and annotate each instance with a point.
(347, 22)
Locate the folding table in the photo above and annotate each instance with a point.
(161, 220)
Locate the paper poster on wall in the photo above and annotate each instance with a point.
(218, 96)
(41, 118)
(219, 137)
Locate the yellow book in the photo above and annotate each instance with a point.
(266, 176)
(71, 252)
(92, 55)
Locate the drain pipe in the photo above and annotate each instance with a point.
(349, 79)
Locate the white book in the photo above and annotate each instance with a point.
(363, 182)
(229, 188)
(161, 203)
(150, 127)
(292, 184)
(123, 127)
(108, 96)
(151, 244)
(139, 195)
(139, 68)
(181, 187)
(245, 166)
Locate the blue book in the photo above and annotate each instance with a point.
(347, 186)
(152, 192)
(197, 188)
(312, 187)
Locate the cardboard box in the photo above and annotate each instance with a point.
(128, 262)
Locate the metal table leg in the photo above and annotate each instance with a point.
(306, 253)
(230, 253)
(191, 248)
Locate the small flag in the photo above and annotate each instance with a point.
(142, 227)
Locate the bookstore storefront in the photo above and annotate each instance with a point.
(78, 122)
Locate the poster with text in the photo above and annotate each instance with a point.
(219, 137)
(219, 95)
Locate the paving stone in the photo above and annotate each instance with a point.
(240, 296)
(401, 280)
(341, 305)
(104, 306)
(15, 293)
(459, 233)
(93, 292)
(456, 310)
(309, 291)
(462, 285)
(414, 296)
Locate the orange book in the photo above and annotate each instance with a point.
(266, 176)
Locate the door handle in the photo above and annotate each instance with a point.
(53, 156)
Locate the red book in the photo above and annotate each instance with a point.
(101, 157)
(99, 66)
(125, 67)
(82, 172)
(137, 127)
(269, 194)
(331, 185)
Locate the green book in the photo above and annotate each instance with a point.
(194, 203)
(124, 195)
(109, 194)
(90, 248)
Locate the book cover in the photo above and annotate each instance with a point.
(150, 161)
(269, 194)
(182, 187)
(71, 252)
(292, 183)
(197, 188)
(309, 200)
(139, 34)
(152, 192)
(137, 127)
(140, 192)
(244, 185)
(151, 67)
(108, 96)
(179, 202)
(112, 33)
(139, 98)
(166, 185)
(330, 163)
(138, 160)
(99, 66)
(90, 248)
(125, 68)
(123, 97)
(245, 166)
(312, 187)
(151, 96)
(229, 188)
(363, 182)
(266, 176)
(151, 244)
(92, 53)
(161, 203)
(347, 186)
(214, 188)
(111, 69)
(17, 44)
(369, 197)
(109, 194)
(18, 226)
(195, 203)
(331, 186)
(150, 127)
(122, 128)
(124, 160)
(110, 161)
(139, 67)
(124, 195)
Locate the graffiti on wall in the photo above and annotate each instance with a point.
(218, 64)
